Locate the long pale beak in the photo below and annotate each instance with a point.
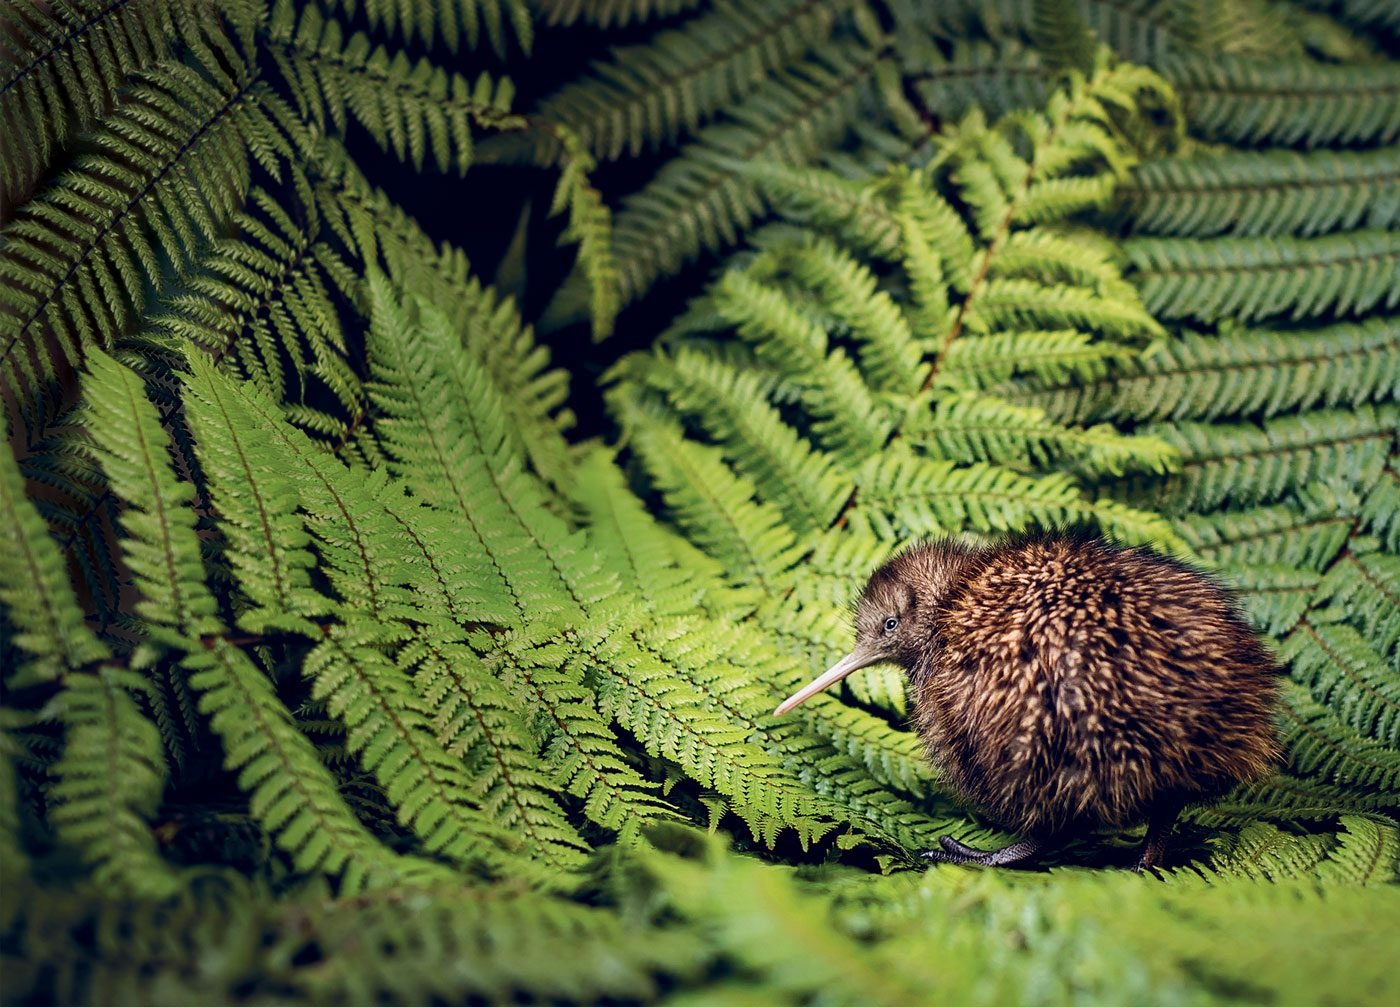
(851, 662)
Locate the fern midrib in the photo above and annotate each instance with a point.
(139, 198)
(63, 43)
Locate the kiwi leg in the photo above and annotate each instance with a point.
(954, 852)
(1159, 827)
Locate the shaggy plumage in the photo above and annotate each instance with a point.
(1063, 684)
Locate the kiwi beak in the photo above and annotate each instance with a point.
(853, 661)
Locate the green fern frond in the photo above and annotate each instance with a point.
(655, 92)
(1321, 745)
(850, 207)
(1058, 356)
(1305, 532)
(701, 201)
(160, 548)
(979, 428)
(411, 109)
(1342, 671)
(1238, 372)
(77, 260)
(64, 66)
(1293, 102)
(448, 20)
(290, 791)
(611, 13)
(1245, 464)
(731, 404)
(994, 77)
(109, 781)
(887, 351)
(847, 417)
(269, 296)
(1249, 278)
(714, 506)
(1266, 192)
(590, 227)
(39, 602)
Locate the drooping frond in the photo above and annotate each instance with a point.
(160, 547)
(268, 298)
(109, 783)
(411, 109)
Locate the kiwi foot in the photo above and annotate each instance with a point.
(954, 852)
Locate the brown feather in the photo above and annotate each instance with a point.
(1062, 683)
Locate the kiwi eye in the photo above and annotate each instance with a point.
(890, 624)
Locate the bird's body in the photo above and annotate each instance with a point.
(1063, 684)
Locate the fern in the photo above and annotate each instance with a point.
(65, 61)
(1251, 279)
(410, 109)
(653, 93)
(108, 784)
(78, 259)
(360, 647)
(1270, 192)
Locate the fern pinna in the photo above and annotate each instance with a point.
(354, 651)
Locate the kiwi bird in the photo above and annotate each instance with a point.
(1063, 684)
